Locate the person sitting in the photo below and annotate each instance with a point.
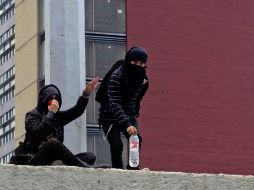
(44, 127)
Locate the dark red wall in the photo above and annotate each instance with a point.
(198, 115)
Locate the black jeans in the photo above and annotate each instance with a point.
(54, 150)
(115, 142)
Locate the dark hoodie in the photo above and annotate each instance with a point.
(40, 126)
(126, 88)
(46, 94)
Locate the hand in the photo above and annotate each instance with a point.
(132, 130)
(54, 106)
(92, 85)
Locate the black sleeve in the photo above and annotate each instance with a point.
(73, 113)
(38, 128)
(115, 100)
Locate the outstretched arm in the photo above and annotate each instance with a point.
(77, 110)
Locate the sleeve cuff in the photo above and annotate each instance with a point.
(50, 115)
(86, 94)
(126, 125)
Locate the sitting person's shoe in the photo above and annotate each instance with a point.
(87, 157)
(82, 164)
(21, 159)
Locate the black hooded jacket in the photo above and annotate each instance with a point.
(39, 127)
(126, 87)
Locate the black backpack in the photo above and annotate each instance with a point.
(101, 94)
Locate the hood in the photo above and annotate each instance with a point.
(135, 74)
(45, 94)
(136, 54)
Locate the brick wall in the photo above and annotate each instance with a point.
(199, 112)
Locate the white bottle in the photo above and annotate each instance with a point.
(134, 151)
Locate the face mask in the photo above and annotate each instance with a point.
(135, 76)
(136, 70)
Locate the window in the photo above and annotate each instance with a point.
(7, 137)
(105, 42)
(6, 11)
(100, 57)
(6, 158)
(7, 54)
(105, 15)
(7, 127)
(7, 86)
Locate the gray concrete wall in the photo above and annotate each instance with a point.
(74, 178)
(65, 61)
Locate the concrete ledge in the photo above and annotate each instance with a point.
(74, 178)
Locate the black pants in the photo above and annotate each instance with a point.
(54, 150)
(115, 142)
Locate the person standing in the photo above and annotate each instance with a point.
(118, 113)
